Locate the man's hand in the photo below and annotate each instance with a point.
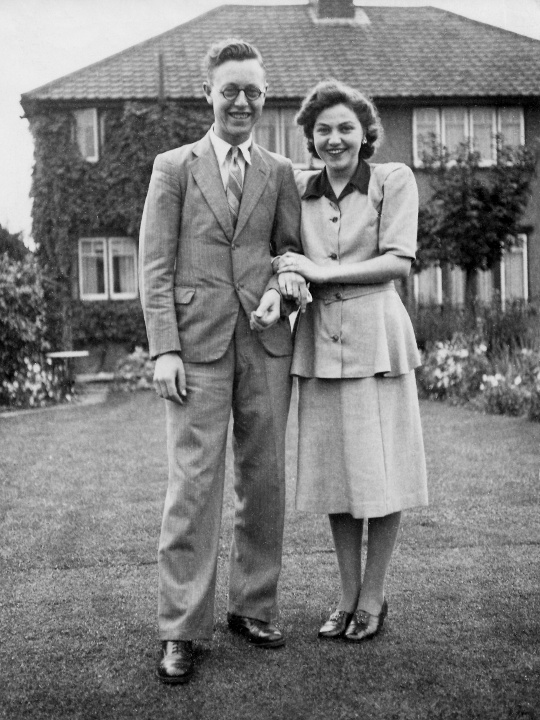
(170, 378)
(294, 287)
(268, 312)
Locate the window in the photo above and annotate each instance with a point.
(428, 286)
(107, 268)
(455, 286)
(483, 132)
(426, 128)
(485, 286)
(510, 125)
(509, 280)
(92, 270)
(477, 125)
(454, 127)
(87, 133)
(276, 131)
(514, 283)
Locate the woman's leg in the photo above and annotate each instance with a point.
(347, 533)
(382, 535)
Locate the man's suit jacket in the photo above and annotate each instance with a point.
(195, 270)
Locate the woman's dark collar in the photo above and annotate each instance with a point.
(319, 185)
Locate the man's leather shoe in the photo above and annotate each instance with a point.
(176, 661)
(336, 625)
(257, 632)
(365, 626)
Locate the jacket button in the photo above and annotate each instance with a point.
(333, 256)
(339, 296)
(335, 338)
(334, 219)
(237, 286)
(233, 247)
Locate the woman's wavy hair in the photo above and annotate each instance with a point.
(331, 92)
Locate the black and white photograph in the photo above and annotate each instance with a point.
(270, 359)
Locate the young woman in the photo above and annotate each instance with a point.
(361, 454)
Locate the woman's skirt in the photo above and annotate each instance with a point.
(360, 446)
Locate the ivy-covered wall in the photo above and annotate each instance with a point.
(73, 198)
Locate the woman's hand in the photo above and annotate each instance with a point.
(293, 262)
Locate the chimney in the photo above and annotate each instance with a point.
(333, 9)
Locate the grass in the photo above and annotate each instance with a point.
(81, 494)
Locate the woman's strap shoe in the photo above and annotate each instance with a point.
(365, 626)
(336, 625)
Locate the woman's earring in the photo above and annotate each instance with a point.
(364, 141)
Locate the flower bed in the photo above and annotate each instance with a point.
(36, 384)
(460, 370)
(135, 372)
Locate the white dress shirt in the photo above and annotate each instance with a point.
(221, 148)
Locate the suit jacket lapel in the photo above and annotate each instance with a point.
(205, 170)
(254, 183)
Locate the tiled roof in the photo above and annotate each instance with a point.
(401, 52)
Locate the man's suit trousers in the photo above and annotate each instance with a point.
(257, 388)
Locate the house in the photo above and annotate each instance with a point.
(97, 131)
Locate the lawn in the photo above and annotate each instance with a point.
(81, 493)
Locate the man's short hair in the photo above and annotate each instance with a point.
(331, 92)
(230, 49)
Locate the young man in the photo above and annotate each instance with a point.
(216, 213)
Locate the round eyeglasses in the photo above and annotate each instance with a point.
(252, 92)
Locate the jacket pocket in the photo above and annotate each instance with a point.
(183, 295)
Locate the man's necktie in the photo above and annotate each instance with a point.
(234, 185)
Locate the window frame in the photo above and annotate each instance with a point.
(93, 296)
(108, 275)
(95, 130)
(440, 130)
(521, 121)
(522, 247)
(121, 295)
(438, 300)
(280, 125)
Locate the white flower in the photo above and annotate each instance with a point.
(517, 380)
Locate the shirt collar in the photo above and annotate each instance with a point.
(222, 147)
(319, 185)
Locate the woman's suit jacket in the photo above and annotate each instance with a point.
(358, 330)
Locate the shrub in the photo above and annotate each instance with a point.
(21, 314)
(461, 370)
(22, 329)
(34, 384)
(503, 396)
(453, 369)
(136, 372)
(515, 327)
(96, 323)
(27, 378)
(474, 212)
(534, 405)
